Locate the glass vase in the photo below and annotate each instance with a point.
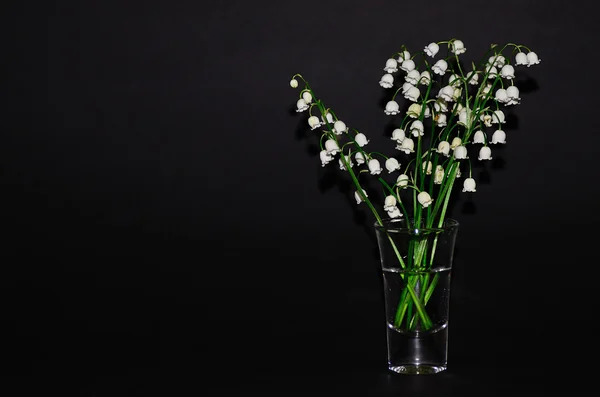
(416, 263)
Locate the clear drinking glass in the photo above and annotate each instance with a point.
(416, 263)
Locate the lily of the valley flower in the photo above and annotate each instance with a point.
(521, 59)
(440, 67)
(486, 119)
(390, 205)
(325, 157)
(374, 167)
(501, 95)
(425, 77)
(391, 65)
(407, 146)
(460, 153)
(360, 139)
(301, 105)
(485, 153)
(427, 167)
(360, 158)
(307, 97)
(402, 181)
(507, 72)
(391, 165)
(408, 65)
(417, 128)
(456, 141)
(424, 199)
(441, 120)
(332, 147)
(458, 47)
(479, 137)
(499, 136)
(339, 127)
(444, 148)
(497, 60)
(398, 135)
(469, 185)
(314, 122)
(403, 56)
(432, 49)
(446, 93)
(387, 81)
(512, 93)
(392, 108)
(413, 77)
(348, 160)
(473, 78)
(357, 196)
(532, 59)
(406, 86)
(328, 118)
(412, 94)
(294, 83)
(492, 72)
(498, 117)
(438, 176)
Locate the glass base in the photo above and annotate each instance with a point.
(411, 369)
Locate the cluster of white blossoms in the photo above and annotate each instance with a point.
(437, 127)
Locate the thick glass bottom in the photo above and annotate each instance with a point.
(422, 369)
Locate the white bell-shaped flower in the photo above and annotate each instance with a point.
(456, 142)
(427, 167)
(432, 49)
(446, 93)
(392, 108)
(360, 139)
(294, 83)
(501, 95)
(440, 105)
(325, 157)
(532, 59)
(314, 122)
(391, 66)
(389, 202)
(425, 77)
(458, 47)
(454, 80)
(403, 56)
(406, 86)
(440, 67)
(360, 158)
(498, 117)
(413, 77)
(521, 59)
(328, 118)
(424, 199)
(444, 148)
(507, 72)
(402, 180)
(391, 165)
(486, 119)
(486, 90)
(348, 160)
(438, 176)
(492, 72)
(412, 94)
(357, 196)
(473, 78)
(332, 147)
(485, 153)
(414, 110)
(460, 153)
(408, 65)
(387, 81)
(301, 105)
(469, 185)
(398, 135)
(417, 128)
(394, 213)
(339, 127)
(307, 97)
(512, 93)
(407, 146)
(499, 136)
(497, 60)
(441, 120)
(479, 137)
(374, 167)
(457, 94)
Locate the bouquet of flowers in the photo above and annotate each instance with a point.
(450, 111)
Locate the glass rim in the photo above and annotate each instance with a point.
(388, 225)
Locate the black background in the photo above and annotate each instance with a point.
(168, 227)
